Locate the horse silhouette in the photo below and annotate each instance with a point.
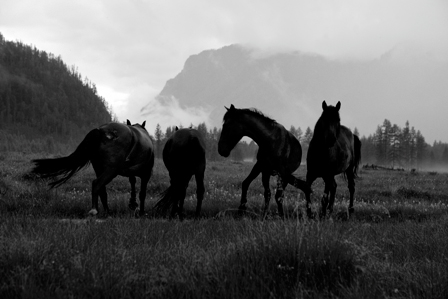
(280, 153)
(334, 149)
(113, 149)
(183, 156)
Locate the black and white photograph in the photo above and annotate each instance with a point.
(224, 149)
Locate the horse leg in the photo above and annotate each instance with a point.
(333, 188)
(179, 188)
(309, 181)
(299, 184)
(281, 185)
(252, 176)
(103, 196)
(132, 200)
(142, 195)
(351, 188)
(182, 194)
(324, 200)
(200, 190)
(265, 177)
(97, 185)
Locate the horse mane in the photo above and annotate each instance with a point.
(251, 111)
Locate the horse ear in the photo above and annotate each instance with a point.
(128, 122)
(143, 124)
(177, 128)
(338, 106)
(324, 105)
(231, 107)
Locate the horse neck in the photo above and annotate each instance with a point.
(262, 132)
(318, 134)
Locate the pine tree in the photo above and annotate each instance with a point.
(420, 148)
(394, 153)
(159, 136)
(308, 136)
(445, 156)
(299, 133)
(405, 141)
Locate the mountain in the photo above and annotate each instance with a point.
(290, 87)
(41, 97)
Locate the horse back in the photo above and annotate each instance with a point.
(184, 151)
(142, 144)
(124, 146)
(285, 151)
(115, 141)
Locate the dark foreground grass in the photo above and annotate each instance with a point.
(395, 246)
(126, 258)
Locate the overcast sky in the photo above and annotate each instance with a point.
(129, 49)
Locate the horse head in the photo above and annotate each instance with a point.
(231, 133)
(329, 124)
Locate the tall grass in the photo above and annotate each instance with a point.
(395, 246)
(126, 258)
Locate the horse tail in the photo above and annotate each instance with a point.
(166, 200)
(68, 166)
(357, 158)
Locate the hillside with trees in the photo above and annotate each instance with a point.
(42, 100)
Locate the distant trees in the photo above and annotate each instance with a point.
(404, 147)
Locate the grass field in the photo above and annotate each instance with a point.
(395, 246)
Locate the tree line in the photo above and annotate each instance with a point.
(390, 145)
(397, 146)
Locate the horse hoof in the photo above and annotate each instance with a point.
(133, 205)
(93, 212)
(137, 213)
(351, 210)
(242, 207)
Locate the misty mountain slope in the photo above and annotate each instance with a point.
(290, 87)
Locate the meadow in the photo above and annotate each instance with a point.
(394, 246)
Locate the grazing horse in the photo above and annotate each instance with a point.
(183, 156)
(280, 153)
(113, 149)
(334, 149)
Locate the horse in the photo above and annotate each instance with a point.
(333, 149)
(279, 153)
(183, 156)
(113, 149)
